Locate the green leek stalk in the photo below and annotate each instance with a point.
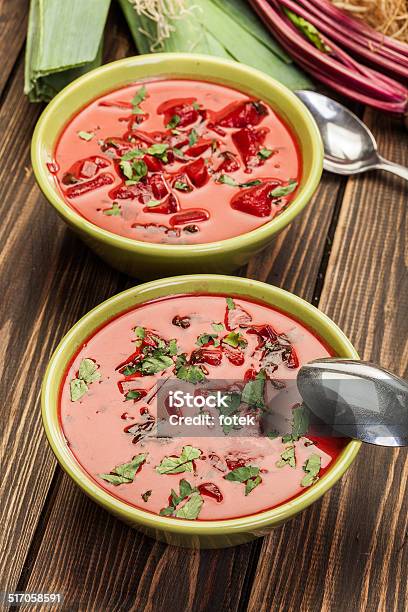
(225, 28)
(64, 40)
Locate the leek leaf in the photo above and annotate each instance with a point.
(64, 40)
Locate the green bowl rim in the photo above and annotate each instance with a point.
(129, 244)
(128, 513)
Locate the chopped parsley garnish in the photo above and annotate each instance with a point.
(133, 395)
(233, 403)
(184, 463)
(137, 99)
(125, 473)
(86, 135)
(190, 373)
(279, 192)
(140, 332)
(159, 150)
(235, 339)
(300, 424)
(179, 153)
(115, 211)
(193, 137)
(174, 121)
(191, 509)
(312, 468)
(265, 153)
(181, 186)
(129, 370)
(155, 364)
(132, 154)
(227, 180)
(133, 170)
(253, 392)
(87, 374)
(196, 106)
(248, 474)
(230, 303)
(206, 338)
(287, 458)
(218, 327)
(153, 203)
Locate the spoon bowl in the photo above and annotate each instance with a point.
(349, 146)
(356, 399)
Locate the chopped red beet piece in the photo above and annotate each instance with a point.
(211, 489)
(229, 163)
(236, 317)
(234, 463)
(242, 114)
(197, 172)
(208, 356)
(117, 147)
(248, 143)
(141, 191)
(82, 188)
(158, 186)
(200, 147)
(234, 355)
(265, 333)
(190, 216)
(255, 200)
(169, 206)
(153, 164)
(182, 108)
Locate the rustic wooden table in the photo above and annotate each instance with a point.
(346, 254)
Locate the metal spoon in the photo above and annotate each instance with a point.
(356, 399)
(349, 146)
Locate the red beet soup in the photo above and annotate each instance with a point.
(177, 161)
(108, 408)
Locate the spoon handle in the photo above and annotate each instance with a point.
(397, 169)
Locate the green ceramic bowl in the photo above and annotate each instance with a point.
(205, 534)
(143, 259)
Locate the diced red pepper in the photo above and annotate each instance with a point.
(242, 114)
(190, 216)
(255, 200)
(81, 188)
(197, 172)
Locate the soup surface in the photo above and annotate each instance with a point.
(177, 161)
(108, 408)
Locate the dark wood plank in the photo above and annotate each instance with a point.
(87, 538)
(46, 286)
(13, 25)
(349, 552)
